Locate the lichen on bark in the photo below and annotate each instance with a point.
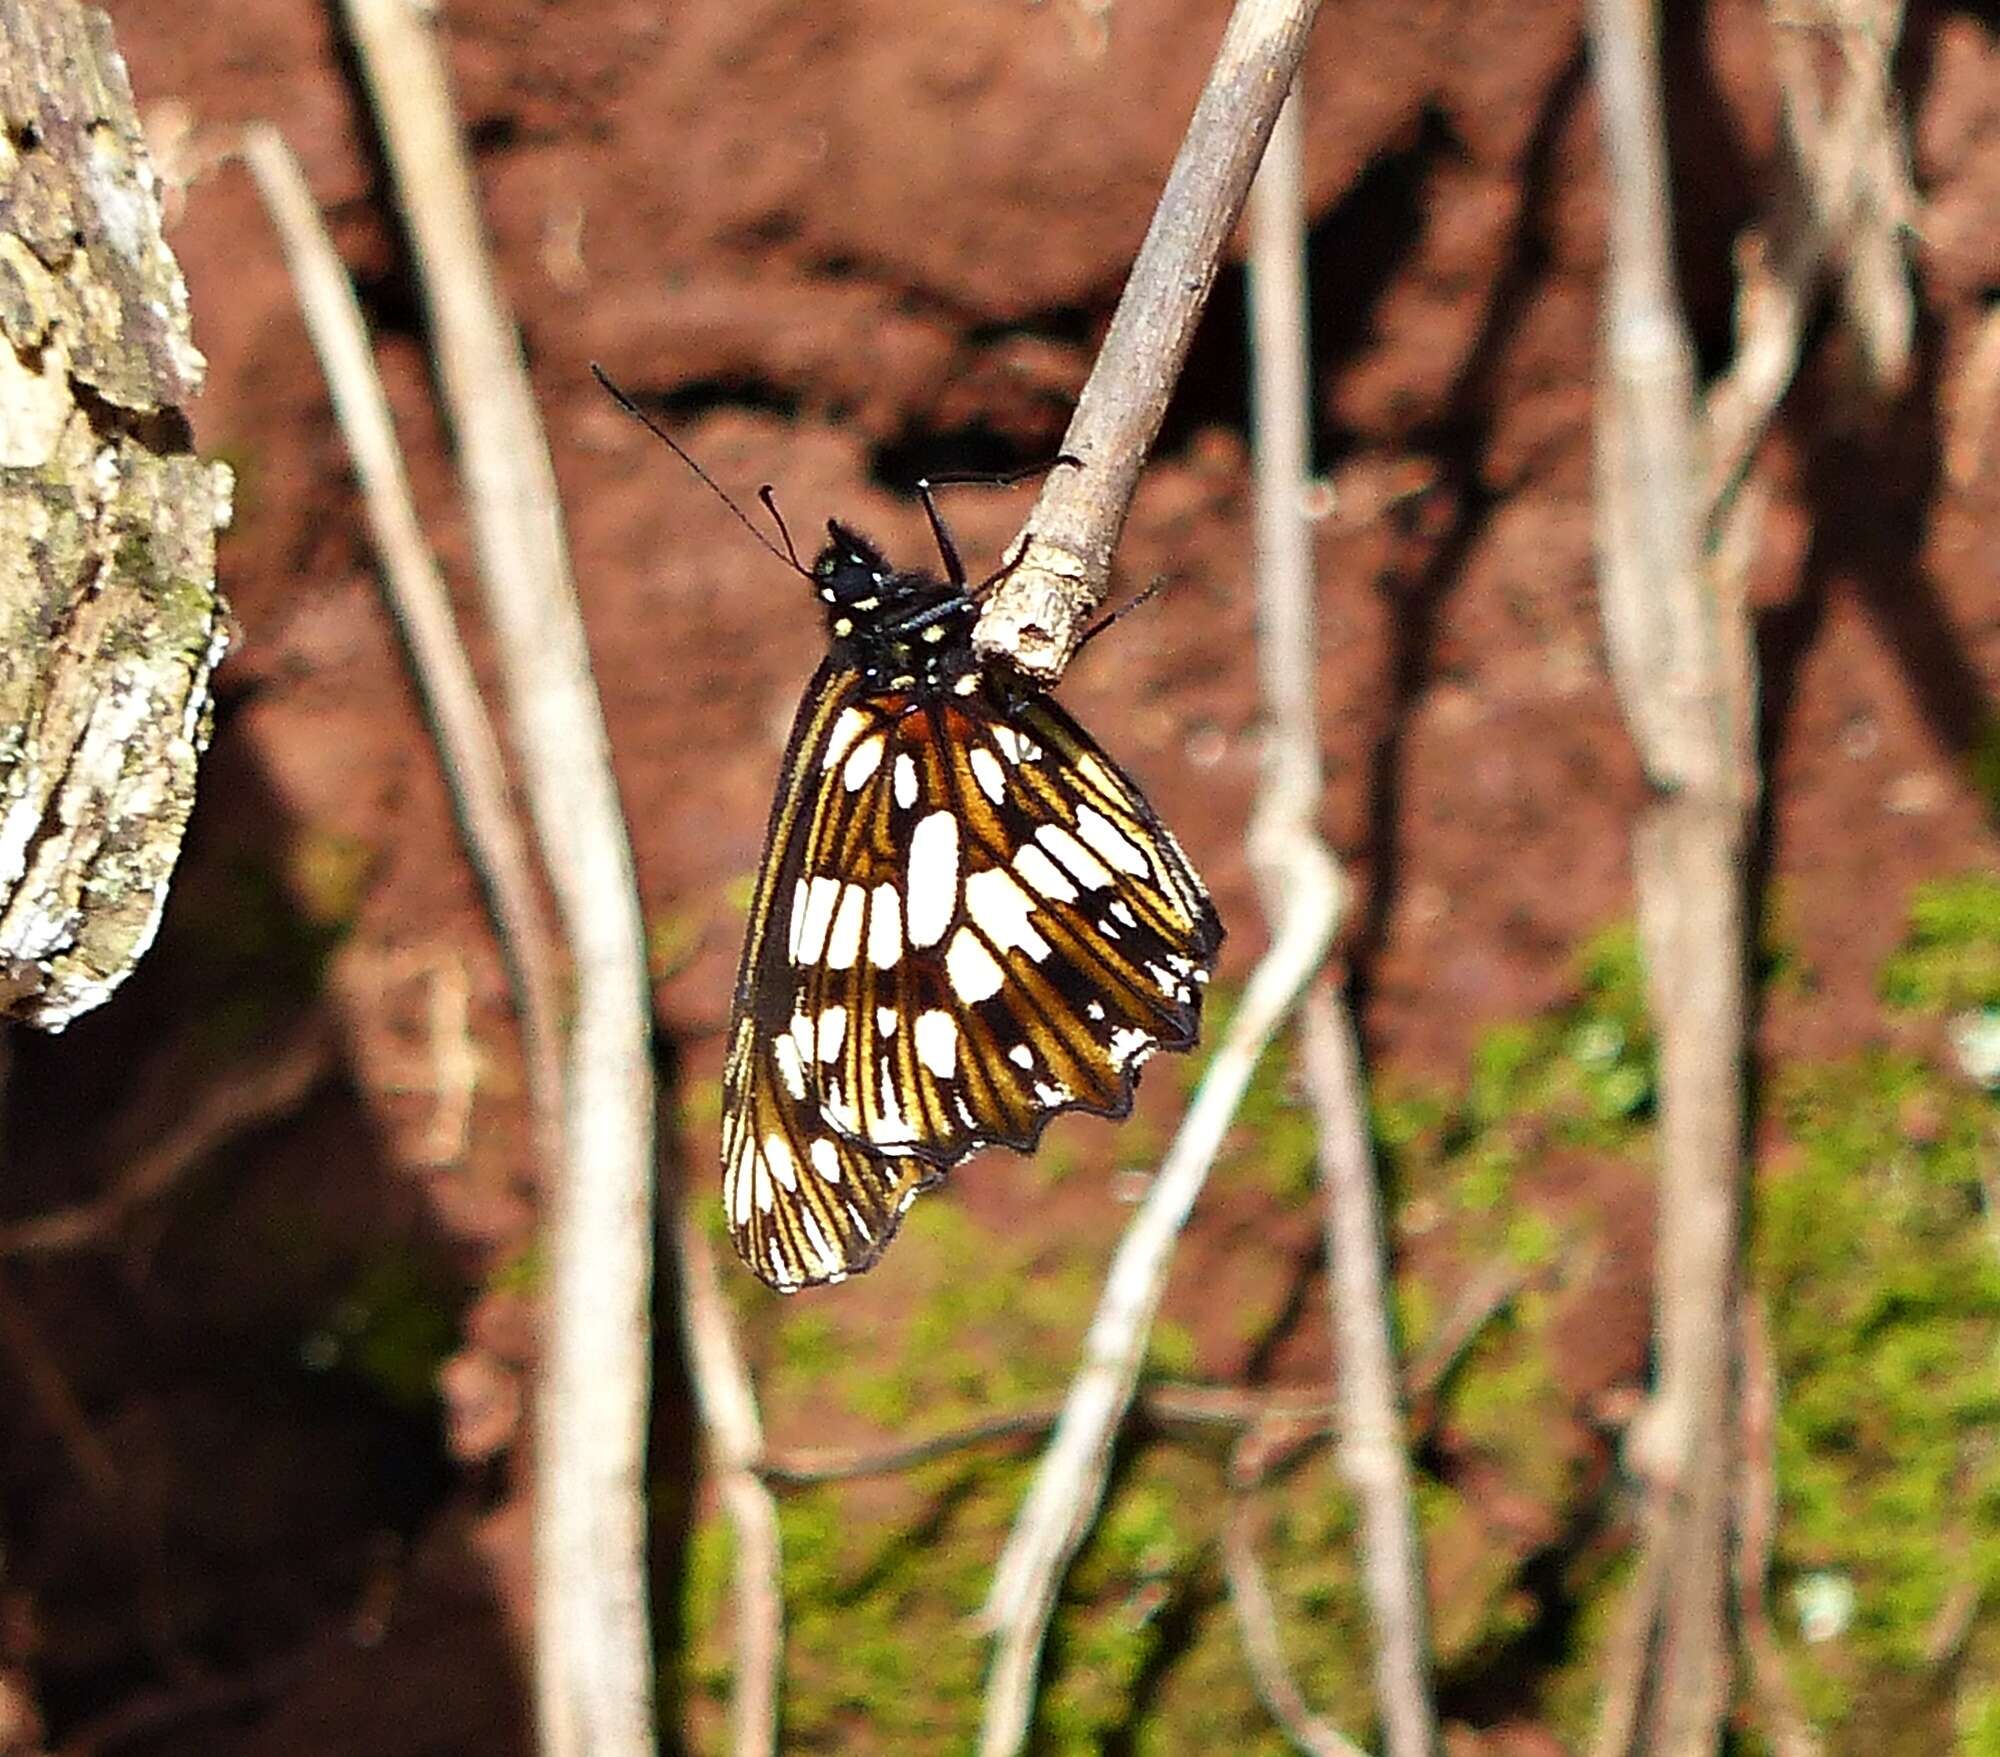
(110, 621)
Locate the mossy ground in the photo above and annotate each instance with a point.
(1874, 1252)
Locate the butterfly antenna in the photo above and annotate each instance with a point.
(1124, 610)
(788, 555)
(770, 500)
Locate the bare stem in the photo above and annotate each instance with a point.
(729, 1413)
(594, 1669)
(1678, 634)
(1373, 1443)
(468, 749)
(1034, 619)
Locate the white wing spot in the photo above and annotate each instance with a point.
(850, 726)
(933, 878)
(987, 772)
(800, 898)
(829, 1258)
(906, 782)
(937, 1043)
(843, 944)
(826, 1159)
(890, 1128)
(791, 1066)
(778, 1156)
(1021, 1056)
(832, 1032)
(886, 1019)
(1127, 1044)
(1052, 1094)
(1001, 908)
(885, 928)
(1120, 912)
(975, 976)
(820, 898)
(1111, 842)
(1082, 865)
(862, 761)
(1096, 1011)
(1043, 873)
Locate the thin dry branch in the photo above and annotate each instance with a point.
(1257, 1623)
(736, 1439)
(1784, 1721)
(1069, 1485)
(594, 1669)
(1853, 202)
(1677, 630)
(272, 1087)
(1035, 618)
(1373, 1439)
(1303, 891)
(468, 749)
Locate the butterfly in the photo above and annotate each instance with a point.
(967, 920)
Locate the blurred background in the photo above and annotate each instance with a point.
(263, 1489)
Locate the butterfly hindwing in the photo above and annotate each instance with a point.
(803, 1204)
(1012, 933)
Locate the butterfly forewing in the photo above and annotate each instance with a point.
(969, 920)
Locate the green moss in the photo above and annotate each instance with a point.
(1870, 1249)
(1873, 1252)
(1951, 957)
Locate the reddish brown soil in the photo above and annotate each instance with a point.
(841, 244)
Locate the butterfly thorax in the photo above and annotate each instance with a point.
(900, 629)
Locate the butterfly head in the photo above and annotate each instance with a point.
(851, 575)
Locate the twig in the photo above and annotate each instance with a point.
(1257, 1623)
(1034, 619)
(1372, 1447)
(1855, 175)
(1853, 198)
(729, 1412)
(1070, 1482)
(1785, 1724)
(1202, 1406)
(468, 750)
(1069, 1486)
(50, 1391)
(594, 1670)
(1307, 1412)
(272, 1087)
(1677, 631)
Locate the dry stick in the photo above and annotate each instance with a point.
(274, 1087)
(1849, 182)
(1678, 638)
(1305, 886)
(1373, 1444)
(736, 1438)
(1034, 619)
(1855, 174)
(1202, 1406)
(594, 1668)
(1257, 1621)
(1785, 1724)
(468, 750)
(1069, 1485)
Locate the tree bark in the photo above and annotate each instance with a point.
(110, 621)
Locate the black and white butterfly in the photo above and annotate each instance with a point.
(967, 920)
